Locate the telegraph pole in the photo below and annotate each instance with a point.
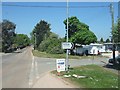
(112, 17)
(67, 62)
(35, 41)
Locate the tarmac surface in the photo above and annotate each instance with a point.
(51, 81)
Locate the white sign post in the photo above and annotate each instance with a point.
(67, 45)
(60, 65)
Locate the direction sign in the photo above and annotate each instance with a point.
(67, 45)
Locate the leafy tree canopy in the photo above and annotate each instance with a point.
(84, 37)
(107, 40)
(101, 40)
(21, 39)
(116, 32)
(78, 32)
(8, 33)
(40, 31)
(75, 25)
(51, 45)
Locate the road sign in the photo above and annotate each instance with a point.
(60, 65)
(67, 45)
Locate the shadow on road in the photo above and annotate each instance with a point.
(13, 52)
(110, 66)
(17, 52)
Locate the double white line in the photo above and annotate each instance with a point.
(33, 72)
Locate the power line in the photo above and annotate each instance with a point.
(35, 6)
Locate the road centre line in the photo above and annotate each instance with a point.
(34, 68)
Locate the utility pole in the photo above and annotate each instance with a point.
(112, 17)
(35, 41)
(67, 62)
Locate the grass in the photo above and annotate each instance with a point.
(97, 77)
(47, 55)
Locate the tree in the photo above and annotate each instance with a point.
(32, 38)
(21, 40)
(0, 37)
(107, 40)
(101, 40)
(116, 32)
(118, 29)
(74, 25)
(84, 37)
(79, 32)
(52, 44)
(8, 32)
(40, 31)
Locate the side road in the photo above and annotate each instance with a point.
(51, 81)
(48, 80)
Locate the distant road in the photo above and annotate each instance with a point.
(16, 68)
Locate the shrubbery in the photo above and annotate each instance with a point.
(56, 50)
(51, 45)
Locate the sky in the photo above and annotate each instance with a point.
(25, 18)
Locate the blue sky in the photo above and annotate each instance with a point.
(25, 18)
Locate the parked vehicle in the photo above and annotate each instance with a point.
(116, 58)
(95, 49)
(92, 49)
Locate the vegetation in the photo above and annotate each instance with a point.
(40, 32)
(83, 37)
(107, 40)
(101, 40)
(45, 40)
(21, 40)
(79, 32)
(51, 45)
(8, 33)
(49, 42)
(49, 55)
(97, 77)
(10, 40)
(0, 47)
(116, 32)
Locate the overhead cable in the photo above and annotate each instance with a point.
(53, 6)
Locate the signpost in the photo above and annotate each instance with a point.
(67, 46)
(60, 65)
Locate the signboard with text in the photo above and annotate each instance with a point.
(67, 45)
(60, 65)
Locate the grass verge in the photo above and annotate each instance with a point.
(97, 77)
(47, 55)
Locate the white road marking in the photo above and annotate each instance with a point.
(30, 83)
(36, 69)
(48, 63)
(33, 71)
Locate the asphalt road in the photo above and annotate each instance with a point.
(16, 68)
(22, 70)
(48, 64)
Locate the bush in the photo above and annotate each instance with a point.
(56, 50)
(43, 46)
(51, 45)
